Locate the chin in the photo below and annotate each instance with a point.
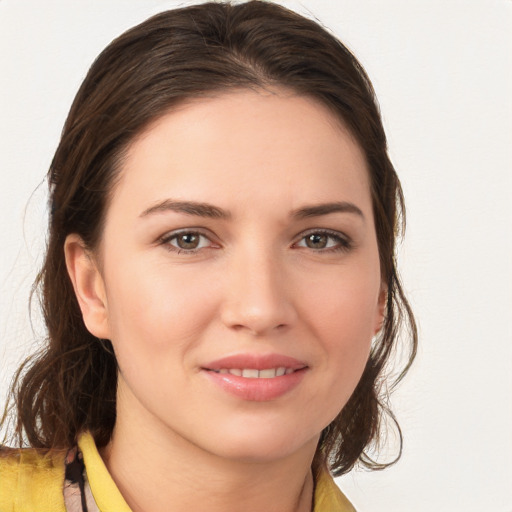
(263, 445)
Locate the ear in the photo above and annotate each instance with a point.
(88, 285)
(381, 309)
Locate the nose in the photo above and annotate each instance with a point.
(258, 298)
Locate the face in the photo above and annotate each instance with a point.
(238, 275)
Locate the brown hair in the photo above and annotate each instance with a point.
(176, 55)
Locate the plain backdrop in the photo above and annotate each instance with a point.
(442, 73)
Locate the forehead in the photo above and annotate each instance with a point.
(266, 146)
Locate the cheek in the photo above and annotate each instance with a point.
(157, 310)
(345, 300)
(342, 314)
(157, 320)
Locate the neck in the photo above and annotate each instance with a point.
(162, 471)
(150, 477)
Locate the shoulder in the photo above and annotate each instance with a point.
(31, 480)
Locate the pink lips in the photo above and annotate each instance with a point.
(256, 389)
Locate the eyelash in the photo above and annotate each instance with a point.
(166, 241)
(342, 243)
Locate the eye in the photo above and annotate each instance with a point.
(186, 241)
(325, 241)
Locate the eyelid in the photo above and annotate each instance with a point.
(345, 243)
(170, 235)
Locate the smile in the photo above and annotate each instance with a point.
(256, 377)
(251, 373)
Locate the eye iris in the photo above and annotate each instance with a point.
(188, 241)
(316, 241)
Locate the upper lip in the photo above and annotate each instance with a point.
(256, 362)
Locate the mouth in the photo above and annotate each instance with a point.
(253, 373)
(254, 377)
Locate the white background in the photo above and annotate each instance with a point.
(442, 72)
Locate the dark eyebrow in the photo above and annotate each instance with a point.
(187, 207)
(209, 210)
(326, 208)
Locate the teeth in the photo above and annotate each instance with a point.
(250, 373)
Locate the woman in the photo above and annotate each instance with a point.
(220, 287)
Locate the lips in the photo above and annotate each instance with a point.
(256, 377)
(255, 361)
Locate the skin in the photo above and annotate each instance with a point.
(254, 284)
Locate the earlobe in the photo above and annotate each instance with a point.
(88, 285)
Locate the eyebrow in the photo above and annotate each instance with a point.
(187, 207)
(326, 208)
(211, 211)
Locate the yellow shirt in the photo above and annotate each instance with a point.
(30, 482)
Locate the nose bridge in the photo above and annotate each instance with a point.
(256, 296)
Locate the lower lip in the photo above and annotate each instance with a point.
(257, 390)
